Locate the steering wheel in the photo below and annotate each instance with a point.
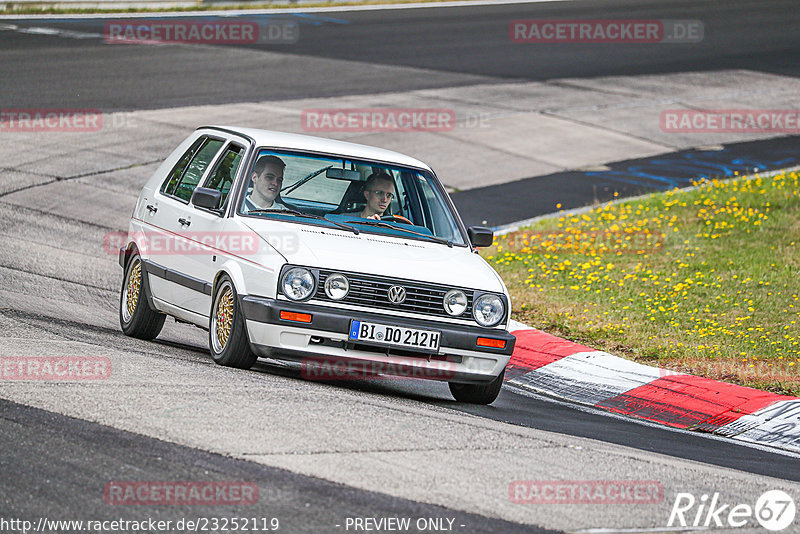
(396, 218)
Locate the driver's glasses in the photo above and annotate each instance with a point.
(380, 193)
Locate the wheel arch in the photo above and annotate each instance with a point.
(234, 271)
(130, 250)
(136, 244)
(125, 255)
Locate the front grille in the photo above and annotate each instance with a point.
(373, 292)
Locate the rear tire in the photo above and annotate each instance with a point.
(227, 334)
(136, 317)
(478, 393)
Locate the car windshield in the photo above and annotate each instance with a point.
(371, 197)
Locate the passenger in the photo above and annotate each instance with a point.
(267, 179)
(379, 192)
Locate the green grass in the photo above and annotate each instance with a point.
(705, 281)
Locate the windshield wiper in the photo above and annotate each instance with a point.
(309, 215)
(290, 188)
(381, 224)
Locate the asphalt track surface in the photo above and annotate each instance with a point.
(376, 49)
(72, 458)
(578, 188)
(52, 463)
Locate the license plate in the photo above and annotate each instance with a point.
(397, 336)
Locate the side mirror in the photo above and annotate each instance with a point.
(480, 236)
(203, 197)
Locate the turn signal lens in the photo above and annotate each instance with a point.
(494, 343)
(294, 316)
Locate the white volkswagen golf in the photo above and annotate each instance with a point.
(293, 247)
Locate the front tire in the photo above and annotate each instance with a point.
(135, 316)
(227, 335)
(478, 393)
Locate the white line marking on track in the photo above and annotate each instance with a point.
(332, 9)
(37, 30)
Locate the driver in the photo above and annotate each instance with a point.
(379, 192)
(267, 179)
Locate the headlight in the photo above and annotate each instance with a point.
(298, 283)
(337, 286)
(455, 302)
(488, 309)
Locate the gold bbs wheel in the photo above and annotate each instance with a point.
(227, 332)
(133, 286)
(136, 318)
(222, 317)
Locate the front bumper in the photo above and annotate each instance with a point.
(460, 358)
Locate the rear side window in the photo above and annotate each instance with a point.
(225, 171)
(168, 187)
(187, 178)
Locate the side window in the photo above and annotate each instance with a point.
(401, 204)
(225, 171)
(168, 187)
(442, 223)
(196, 168)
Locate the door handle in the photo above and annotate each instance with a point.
(151, 208)
(184, 222)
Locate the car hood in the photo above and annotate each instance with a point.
(380, 255)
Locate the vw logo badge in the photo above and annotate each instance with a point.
(397, 294)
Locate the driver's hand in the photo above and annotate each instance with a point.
(375, 216)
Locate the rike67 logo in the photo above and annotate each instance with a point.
(774, 510)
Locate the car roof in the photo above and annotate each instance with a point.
(293, 141)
